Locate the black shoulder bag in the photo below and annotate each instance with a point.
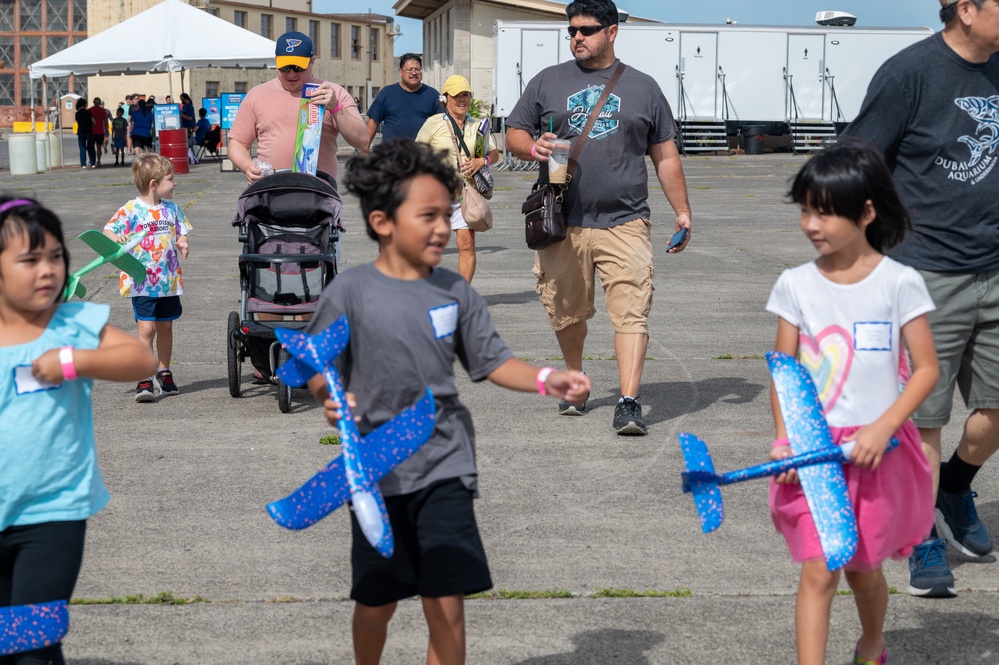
(544, 216)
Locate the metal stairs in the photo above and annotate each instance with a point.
(810, 135)
(702, 136)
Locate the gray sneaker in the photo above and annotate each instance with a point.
(929, 572)
(569, 409)
(957, 523)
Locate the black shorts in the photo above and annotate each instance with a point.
(142, 141)
(438, 551)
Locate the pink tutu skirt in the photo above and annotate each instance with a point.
(893, 505)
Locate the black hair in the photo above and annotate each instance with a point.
(35, 220)
(406, 57)
(81, 103)
(203, 112)
(949, 13)
(842, 178)
(604, 11)
(381, 179)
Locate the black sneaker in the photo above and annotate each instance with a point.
(957, 523)
(569, 409)
(165, 379)
(929, 572)
(144, 391)
(628, 418)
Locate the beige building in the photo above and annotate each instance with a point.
(354, 50)
(458, 35)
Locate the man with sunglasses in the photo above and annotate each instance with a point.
(606, 203)
(933, 110)
(401, 109)
(269, 114)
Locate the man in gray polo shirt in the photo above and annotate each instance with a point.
(933, 110)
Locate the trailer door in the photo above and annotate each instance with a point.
(698, 71)
(805, 65)
(538, 50)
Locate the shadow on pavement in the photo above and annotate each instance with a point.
(673, 399)
(974, 638)
(609, 645)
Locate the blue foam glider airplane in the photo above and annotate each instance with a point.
(818, 461)
(30, 627)
(119, 256)
(354, 475)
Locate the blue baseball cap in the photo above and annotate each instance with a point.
(294, 48)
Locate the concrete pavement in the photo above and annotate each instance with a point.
(567, 507)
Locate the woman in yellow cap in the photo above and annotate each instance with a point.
(439, 131)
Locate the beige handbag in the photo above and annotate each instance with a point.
(474, 207)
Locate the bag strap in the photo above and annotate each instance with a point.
(454, 140)
(592, 120)
(459, 134)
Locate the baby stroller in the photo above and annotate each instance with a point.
(289, 224)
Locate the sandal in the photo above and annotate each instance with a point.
(259, 379)
(857, 660)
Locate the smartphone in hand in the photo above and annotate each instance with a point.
(677, 239)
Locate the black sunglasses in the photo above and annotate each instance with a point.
(291, 68)
(587, 30)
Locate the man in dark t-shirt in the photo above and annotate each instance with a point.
(933, 110)
(403, 107)
(607, 210)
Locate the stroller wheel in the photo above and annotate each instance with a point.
(283, 389)
(232, 354)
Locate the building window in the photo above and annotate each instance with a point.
(7, 18)
(334, 40)
(314, 36)
(79, 15)
(31, 16)
(266, 25)
(355, 42)
(31, 51)
(290, 24)
(214, 11)
(54, 44)
(27, 85)
(211, 88)
(7, 54)
(6, 89)
(239, 18)
(373, 45)
(239, 86)
(56, 16)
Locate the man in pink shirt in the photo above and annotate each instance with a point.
(101, 120)
(269, 114)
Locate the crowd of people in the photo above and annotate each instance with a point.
(131, 129)
(903, 292)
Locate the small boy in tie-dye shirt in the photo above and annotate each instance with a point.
(155, 301)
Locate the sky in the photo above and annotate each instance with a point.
(869, 13)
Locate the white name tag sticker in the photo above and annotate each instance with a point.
(872, 336)
(25, 382)
(444, 319)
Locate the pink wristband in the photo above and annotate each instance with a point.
(781, 442)
(533, 148)
(543, 375)
(68, 366)
(338, 105)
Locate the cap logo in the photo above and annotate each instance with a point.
(292, 45)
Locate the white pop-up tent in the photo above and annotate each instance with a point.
(169, 37)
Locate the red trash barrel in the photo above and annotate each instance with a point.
(173, 146)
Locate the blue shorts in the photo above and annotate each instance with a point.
(156, 309)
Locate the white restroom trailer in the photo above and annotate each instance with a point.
(806, 81)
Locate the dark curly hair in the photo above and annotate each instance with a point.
(35, 220)
(842, 178)
(381, 178)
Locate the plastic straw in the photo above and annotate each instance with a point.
(551, 125)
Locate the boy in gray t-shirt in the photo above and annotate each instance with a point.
(409, 319)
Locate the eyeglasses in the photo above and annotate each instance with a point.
(413, 70)
(587, 30)
(291, 68)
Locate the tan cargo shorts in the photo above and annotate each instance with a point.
(621, 256)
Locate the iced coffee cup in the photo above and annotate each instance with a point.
(558, 162)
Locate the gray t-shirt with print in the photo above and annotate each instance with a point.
(404, 337)
(935, 117)
(610, 183)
